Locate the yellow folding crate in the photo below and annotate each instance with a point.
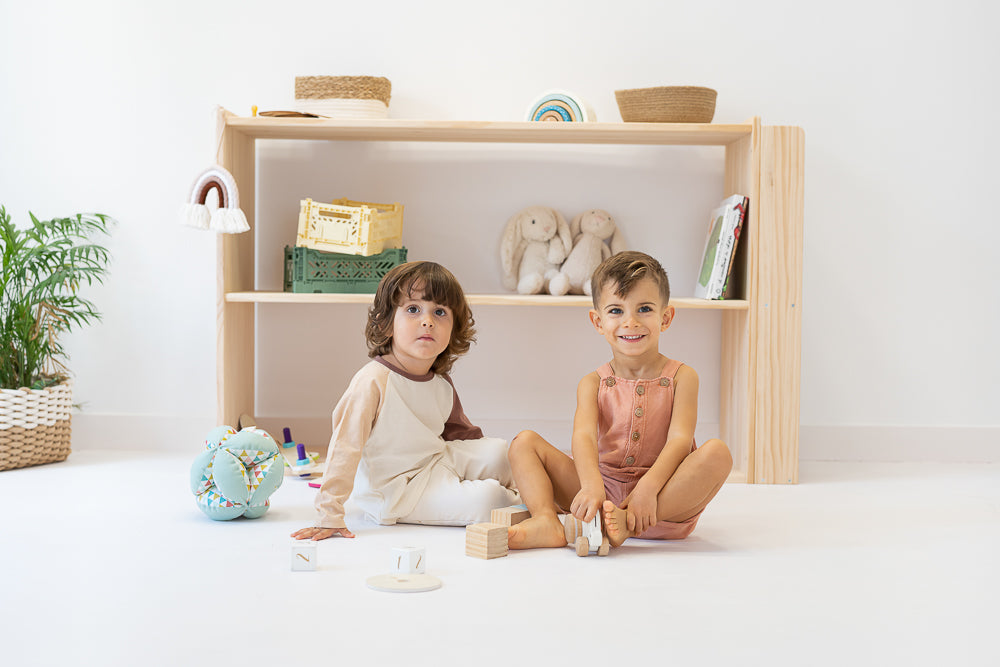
(350, 227)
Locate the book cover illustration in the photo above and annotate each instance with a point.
(725, 225)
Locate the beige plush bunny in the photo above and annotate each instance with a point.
(595, 238)
(535, 242)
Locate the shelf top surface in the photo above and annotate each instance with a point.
(391, 129)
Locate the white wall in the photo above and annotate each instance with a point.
(108, 106)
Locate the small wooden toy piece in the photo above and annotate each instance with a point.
(486, 540)
(586, 536)
(288, 437)
(303, 555)
(409, 560)
(510, 516)
(300, 450)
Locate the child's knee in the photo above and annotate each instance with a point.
(522, 443)
(717, 457)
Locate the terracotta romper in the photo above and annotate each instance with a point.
(632, 424)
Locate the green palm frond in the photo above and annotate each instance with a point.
(43, 268)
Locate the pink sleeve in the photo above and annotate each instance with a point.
(353, 419)
(458, 426)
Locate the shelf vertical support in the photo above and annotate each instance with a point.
(776, 305)
(235, 252)
(736, 400)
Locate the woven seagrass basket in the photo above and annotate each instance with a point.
(667, 104)
(35, 425)
(343, 96)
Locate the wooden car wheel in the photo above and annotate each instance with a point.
(582, 546)
(605, 547)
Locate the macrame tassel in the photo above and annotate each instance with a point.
(229, 221)
(195, 215)
(228, 218)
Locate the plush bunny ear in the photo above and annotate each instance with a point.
(562, 230)
(617, 242)
(228, 218)
(509, 246)
(574, 228)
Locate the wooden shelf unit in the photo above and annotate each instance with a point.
(761, 334)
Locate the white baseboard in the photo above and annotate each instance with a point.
(951, 444)
(130, 431)
(943, 444)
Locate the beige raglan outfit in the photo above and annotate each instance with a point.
(404, 447)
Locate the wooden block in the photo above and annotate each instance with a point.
(409, 560)
(486, 540)
(509, 516)
(304, 555)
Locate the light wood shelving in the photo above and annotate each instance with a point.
(761, 333)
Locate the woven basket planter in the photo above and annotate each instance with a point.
(343, 96)
(667, 104)
(35, 425)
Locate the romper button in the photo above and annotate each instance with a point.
(664, 382)
(635, 435)
(610, 382)
(638, 412)
(640, 390)
(630, 460)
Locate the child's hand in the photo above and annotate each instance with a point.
(316, 534)
(641, 511)
(587, 503)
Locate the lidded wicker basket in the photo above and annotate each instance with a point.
(667, 104)
(343, 96)
(35, 425)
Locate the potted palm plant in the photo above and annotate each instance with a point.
(44, 267)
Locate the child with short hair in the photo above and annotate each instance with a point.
(634, 457)
(400, 428)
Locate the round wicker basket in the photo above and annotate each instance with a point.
(667, 104)
(343, 96)
(35, 425)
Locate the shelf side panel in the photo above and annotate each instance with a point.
(778, 306)
(736, 400)
(235, 321)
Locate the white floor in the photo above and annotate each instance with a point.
(106, 560)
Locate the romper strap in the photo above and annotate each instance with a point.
(670, 368)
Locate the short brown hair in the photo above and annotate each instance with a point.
(438, 285)
(624, 270)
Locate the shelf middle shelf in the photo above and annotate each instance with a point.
(476, 299)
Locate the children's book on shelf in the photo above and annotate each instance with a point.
(720, 248)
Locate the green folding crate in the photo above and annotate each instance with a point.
(309, 271)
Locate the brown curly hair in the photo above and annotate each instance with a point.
(624, 270)
(437, 284)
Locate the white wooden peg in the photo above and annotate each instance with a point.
(409, 560)
(304, 555)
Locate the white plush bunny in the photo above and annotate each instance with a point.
(535, 242)
(595, 238)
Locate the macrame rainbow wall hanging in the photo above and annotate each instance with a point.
(228, 218)
(561, 106)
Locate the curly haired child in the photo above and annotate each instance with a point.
(402, 446)
(634, 456)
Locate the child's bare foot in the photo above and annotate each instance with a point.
(542, 531)
(615, 524)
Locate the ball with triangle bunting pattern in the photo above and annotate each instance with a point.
(237, 473)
